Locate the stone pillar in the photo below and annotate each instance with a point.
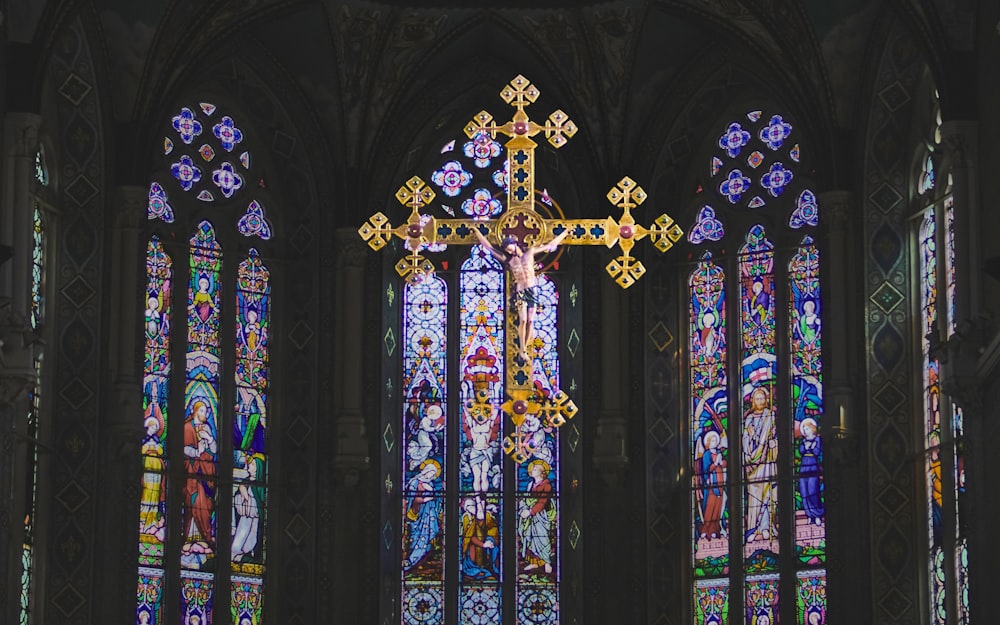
(844, 416)
(351, 444)
(611, 436)
(20, 142)
(18, 347)
(120, 462)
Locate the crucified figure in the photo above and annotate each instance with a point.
(520, 260)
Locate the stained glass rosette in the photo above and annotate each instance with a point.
(424, 423)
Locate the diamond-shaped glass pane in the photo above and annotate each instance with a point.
(887, 297)
(388, 438)
(390, 342)
(574, 534)
(573, 342)
(660, 336)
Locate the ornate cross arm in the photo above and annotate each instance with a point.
(550, 412)
(417, 232)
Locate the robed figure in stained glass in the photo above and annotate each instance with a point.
(423, 514)
(200, 450)
(760, 455)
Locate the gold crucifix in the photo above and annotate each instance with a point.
(529, 228)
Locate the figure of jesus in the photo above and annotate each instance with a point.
(520, 260)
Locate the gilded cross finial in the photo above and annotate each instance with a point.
(528, 407)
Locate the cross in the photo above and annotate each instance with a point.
(522, 221)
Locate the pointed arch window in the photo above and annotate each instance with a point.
(206, 384)
(942, 421)
(470, 536)
(36, 317)
(758, 522)
(470, 524)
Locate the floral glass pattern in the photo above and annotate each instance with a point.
(706, 226)
(482, 149)
(187, 125)
(482, 205)
(452, 178)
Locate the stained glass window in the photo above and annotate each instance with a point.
(492, 535)
(932, 418)
(217, 510)
(745, 516)
(34, 408)
(943, 420)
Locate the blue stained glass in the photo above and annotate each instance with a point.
(706, 226)
(186, 125)
(709, 419)
(227, 133)
(806, 211)
(537, 529)
(424, 424)
(201, 401)
(501, 177)
(776, 179)
(253, 222)
(482, 148)
(733, 140)
(480, 464)
(805, 312)
(482, 205)
(186, 172)
(734, 186)
(452, 178)
(758, 378)
(158, 207)
(775, 132)
(226, 178)
(197, 598)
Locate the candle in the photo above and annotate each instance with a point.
(843, 420)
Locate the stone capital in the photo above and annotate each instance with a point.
(351, 250)
(610, 448)
(129, 204)
(959, 142)
(835, 209)
(21, 131)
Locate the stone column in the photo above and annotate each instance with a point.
(120, 462)
(611, 436)
(20, 142)
(18, 347)
(351, 444)
(844, 419)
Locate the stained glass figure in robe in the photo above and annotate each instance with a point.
(200, 430)
(156, 299)
(932, 417)
(805, 342)
(709, 419)
(758, 372)
(424, 423)
(249, 438)
(537, 521)
(480, 463)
